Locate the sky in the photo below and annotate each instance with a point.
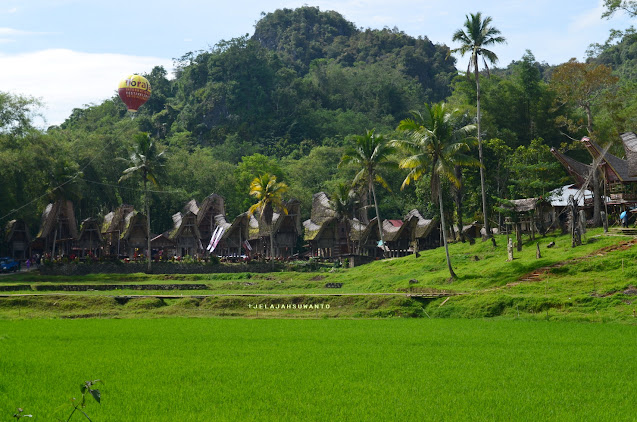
(73, 53)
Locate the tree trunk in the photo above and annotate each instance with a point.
(444, 235)
(589, 119)
(597, 216)
(458, 171)
(149, 253)
(380, 223)
(272, 242)
(484, 193)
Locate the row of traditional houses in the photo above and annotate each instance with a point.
(201, 228)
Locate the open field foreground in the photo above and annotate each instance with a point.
(238, 369)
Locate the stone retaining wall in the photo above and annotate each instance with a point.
(15, 288)
(157, 268)
(88, 287)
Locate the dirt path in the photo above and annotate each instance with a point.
(540, 273)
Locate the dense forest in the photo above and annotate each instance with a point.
(292, 98)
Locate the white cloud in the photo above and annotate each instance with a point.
(588, 19)
(66, 79)
(12, 10)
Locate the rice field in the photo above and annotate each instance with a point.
(347, 370)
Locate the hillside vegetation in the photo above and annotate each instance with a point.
(286, 101)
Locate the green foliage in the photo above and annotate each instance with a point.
(612, 6)
(287, 101)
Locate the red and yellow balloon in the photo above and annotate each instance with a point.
(134, 90)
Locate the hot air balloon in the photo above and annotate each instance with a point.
(134, 90)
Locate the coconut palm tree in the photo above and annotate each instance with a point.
(147, 161)
(370, 153)
(269, 194)
(435, 145)
(477, 35)
(343, 202)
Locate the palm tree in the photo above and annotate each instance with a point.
(269, 194)
(435, 145)
(343, 202)
(370, 152)
(147, 161)
(478, 35)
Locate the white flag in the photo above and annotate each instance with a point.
(217, 237)
(212, 239)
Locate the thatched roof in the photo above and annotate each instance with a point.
(91, 225)
(59, 210)
(321, 208)
(16, 225)
(522, 205)
(293, 216)
(577, 170)
(179, 223)
(629, 139)
(253, 228)
(114, 220)
(392, 229)
(131, 220)
(312, 230)
(241, 222)
(424, 226)
(362, 232)
(212, 206)
(191, 206)
(321, 216)
(616, 168)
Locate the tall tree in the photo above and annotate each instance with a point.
(478, 35)
(269, 194)
(612, 6)
(343, 203)
(436, 145)
(147, 161)
(582, 85)
(370, 153)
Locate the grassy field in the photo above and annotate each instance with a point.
(384, 370)
(593, 285)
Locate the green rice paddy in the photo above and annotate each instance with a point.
(205, 369)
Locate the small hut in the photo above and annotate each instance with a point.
(134, 235)
(211, 207)
(235, 236)
(426, 235)
(285, 226)
(365, 238)
(326, 235)
(89, 242)
(287, 229)
(530, 215)
(112, 229)
(58, 229)
(17, 239)
(398, 236)
(163, 245)
(185, 232)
